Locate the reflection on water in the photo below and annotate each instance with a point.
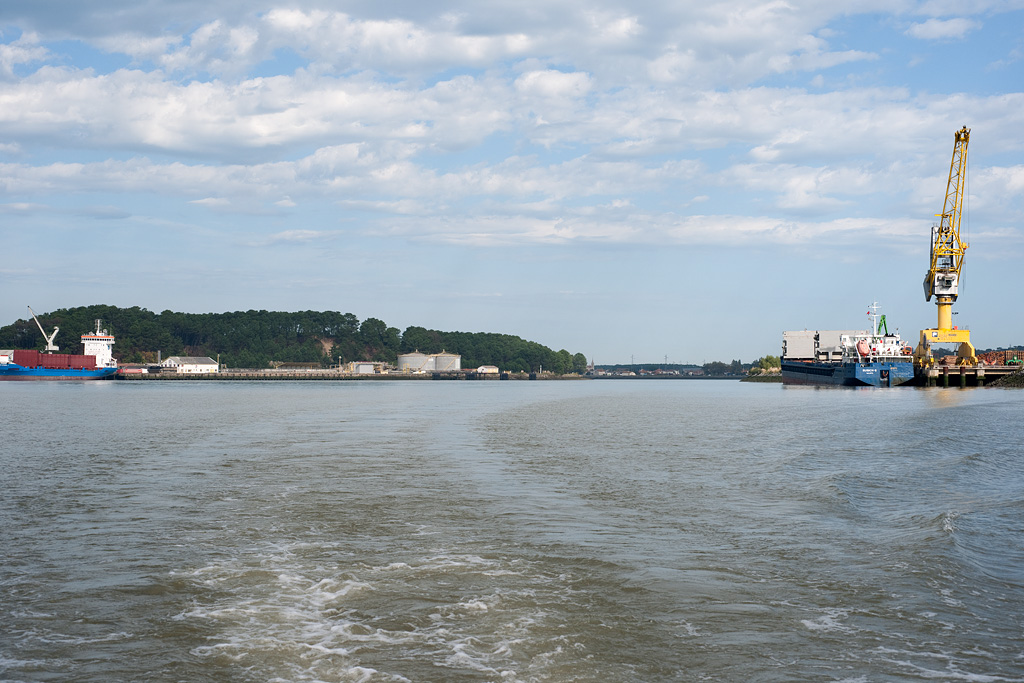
(561, 531)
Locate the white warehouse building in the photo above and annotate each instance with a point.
(193, 365)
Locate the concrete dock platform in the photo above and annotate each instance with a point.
(963, 376)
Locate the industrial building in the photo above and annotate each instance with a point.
(191, 364)
(365, 367)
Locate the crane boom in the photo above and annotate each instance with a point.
(50, 346)
(947, 259)
(947, 251)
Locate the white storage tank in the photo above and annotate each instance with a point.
(447, 362)
(415, 362)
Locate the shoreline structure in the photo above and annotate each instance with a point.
(331, 375)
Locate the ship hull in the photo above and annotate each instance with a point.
(848, 373)
(18, 373)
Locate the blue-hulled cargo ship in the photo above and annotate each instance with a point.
(873, 358)
(96, 362)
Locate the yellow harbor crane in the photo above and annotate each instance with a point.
(947, 258)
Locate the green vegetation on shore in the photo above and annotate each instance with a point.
(766, 365)
(253, 339)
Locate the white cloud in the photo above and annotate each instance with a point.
(594, 107)
(24, 50)
(553, 84)
(942, 29)
(21, 207)
(338, 42)
(805, 148)
(217, 48)
(292, 237)
(996, 191)
(139, 46)
(659, 229)
(131, 109)
(734, 42)
(820, 189)
(612, 28)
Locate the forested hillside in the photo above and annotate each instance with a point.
(253, 339)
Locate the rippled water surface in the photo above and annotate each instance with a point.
(510, 531)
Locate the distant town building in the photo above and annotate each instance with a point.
(191, 364)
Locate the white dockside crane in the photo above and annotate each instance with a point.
(50, 346)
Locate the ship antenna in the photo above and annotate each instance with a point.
(873, 312)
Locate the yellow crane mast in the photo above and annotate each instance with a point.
(947, 258)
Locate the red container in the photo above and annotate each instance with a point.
(79, 361)
(54, 361)
(26, 358)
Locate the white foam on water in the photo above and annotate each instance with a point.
(829, 622)
(393, 566)
(355, 674)
(469, 654)
(23, 664)
(952, 671)
(689, 629)
(947, 597)
(64, 639)
(275, 615)
(31, 614)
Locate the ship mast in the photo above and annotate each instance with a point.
(873, 313)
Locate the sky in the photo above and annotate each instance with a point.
(640, 181)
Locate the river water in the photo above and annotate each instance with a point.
(510, 531)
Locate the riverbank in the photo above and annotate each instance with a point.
(1014, 381)
(335, 376)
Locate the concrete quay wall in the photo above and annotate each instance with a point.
(325, 375)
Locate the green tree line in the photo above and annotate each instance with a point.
(253, 339)
(766, 364)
